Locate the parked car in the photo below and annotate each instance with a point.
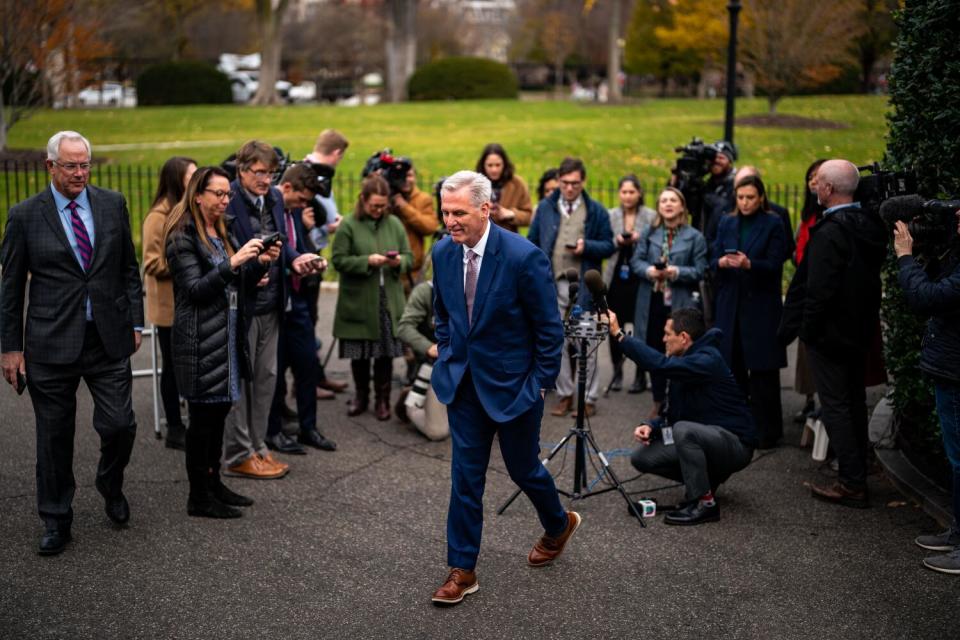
(111, 94)
(304, 92)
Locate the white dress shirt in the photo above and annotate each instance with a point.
(478, 249)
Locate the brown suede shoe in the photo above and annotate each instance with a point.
(563, 406)
(839, 493)
(459, 583)
(253, 467)
(546, 549)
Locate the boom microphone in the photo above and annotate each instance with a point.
(598, 290)
(906, 208)
(901, 208)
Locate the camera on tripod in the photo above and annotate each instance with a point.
(394, 169)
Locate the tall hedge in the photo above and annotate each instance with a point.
(924, 136)
(183, 83)
(462, 78)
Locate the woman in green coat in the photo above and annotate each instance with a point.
(370, 252)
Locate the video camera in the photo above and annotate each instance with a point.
(932, 223)
(893, 195)
(394, 169)
(694, 162)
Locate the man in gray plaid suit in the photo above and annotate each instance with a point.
(84, 320)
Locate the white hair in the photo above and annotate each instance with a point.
(477, 183)
(53, 144)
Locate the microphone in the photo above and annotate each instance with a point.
(901, 208)
(572, 275)
(598, 290)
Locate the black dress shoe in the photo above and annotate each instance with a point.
(228, 497)
(118, 510)
(283, 443)
(212, 509)
(116, 507)
(316, 440)
(693, 513)
(53, 541)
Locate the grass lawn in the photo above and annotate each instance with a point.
(444, 137)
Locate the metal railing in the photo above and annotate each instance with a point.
(138, 183)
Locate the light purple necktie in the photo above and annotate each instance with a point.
(470, 285)
(83, 239)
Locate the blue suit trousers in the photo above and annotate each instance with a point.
(472, 432)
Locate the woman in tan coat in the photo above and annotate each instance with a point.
(511, 206)
(174, 176)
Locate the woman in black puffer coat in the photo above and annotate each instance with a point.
(210, 280)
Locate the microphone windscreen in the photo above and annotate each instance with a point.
(901, 208)
(573, 290)
(572, 274)
(594, 282)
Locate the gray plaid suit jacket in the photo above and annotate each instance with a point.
(35, 243)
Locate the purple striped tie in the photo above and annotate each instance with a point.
(83, 239)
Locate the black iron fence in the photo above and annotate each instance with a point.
(138, 183)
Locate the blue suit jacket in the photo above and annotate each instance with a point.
(749, 300)
(513, 346)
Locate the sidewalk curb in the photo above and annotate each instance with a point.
(909, 480)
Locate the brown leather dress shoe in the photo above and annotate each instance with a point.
(459, 583)
(269, 461)
(254, 467)
(563, 406)
(546, 549)
(332, 385)
(839, 493)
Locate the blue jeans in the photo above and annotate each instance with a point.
(948, 408)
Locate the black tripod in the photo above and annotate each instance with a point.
(582, 331)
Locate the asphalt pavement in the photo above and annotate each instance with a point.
(351, 544)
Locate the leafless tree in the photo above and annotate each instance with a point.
(401, 46)
(269, 19)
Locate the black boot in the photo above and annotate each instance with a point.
(224, 495)
(361, 382)
(382, 372)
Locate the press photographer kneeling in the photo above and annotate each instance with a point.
(705, 433)
(936, 292)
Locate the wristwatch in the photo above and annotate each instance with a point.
(620, 335)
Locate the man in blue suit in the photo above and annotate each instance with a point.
(499, 337)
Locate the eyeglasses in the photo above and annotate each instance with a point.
(219, 194)
(259, 175)
(571, 183)
(377, 207)
(72, 166)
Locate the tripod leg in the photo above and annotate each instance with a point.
(556, 449)
(613, 476)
